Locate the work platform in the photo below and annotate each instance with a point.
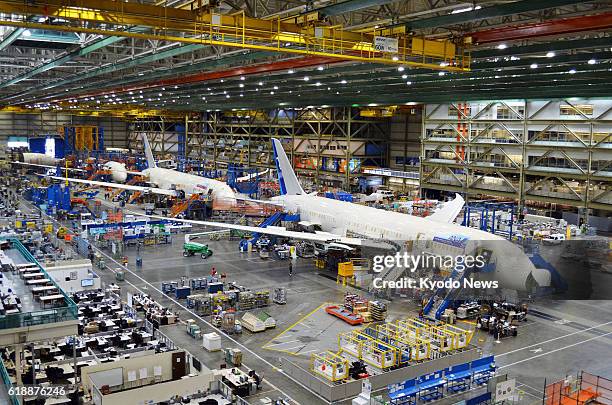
(34, 306)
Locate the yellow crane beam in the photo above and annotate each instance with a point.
(106, 17)
(120, 112)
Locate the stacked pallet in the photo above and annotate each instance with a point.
(378, 310)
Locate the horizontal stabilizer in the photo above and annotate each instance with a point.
(449, 210)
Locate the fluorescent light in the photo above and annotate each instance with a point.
(550, 54)
(320, 68)
(291, 71)
(317, 83)
(400, 69)
(404, 76)
(241, 85)
(463, 10)
(440, 73)
(533, 65)
(343, 82)
(443, 64)
(572, 71)
(306, 78)
(241, 77)
(275, 87)
(502, 46)
(409, 83)
(260, 83)
(395, 58)
(592, 61)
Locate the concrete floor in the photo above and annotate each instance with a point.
(559, 338)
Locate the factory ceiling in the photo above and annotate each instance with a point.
(60, 55)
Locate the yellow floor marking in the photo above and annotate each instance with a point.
(300, 320)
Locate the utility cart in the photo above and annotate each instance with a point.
(193, 329)
(192, 248)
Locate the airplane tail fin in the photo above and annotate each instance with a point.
(449, 210)
(287, 179)
(148, 152)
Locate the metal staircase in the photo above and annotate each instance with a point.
(133, 181)
(183, 206)
(443, 297)
(272, 220)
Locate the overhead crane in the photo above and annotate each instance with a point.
(305, 36)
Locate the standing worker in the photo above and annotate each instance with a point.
(290, 268)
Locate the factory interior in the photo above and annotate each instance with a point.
(306, 202)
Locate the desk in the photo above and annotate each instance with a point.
(43, 290)
(239, 381)
(44, 299)
(33, 276)
(66, 368)
(6, 262)
(152, 343)
(40, 281)
(124, 339)
(57, 401)
(26, 270)
(25, 265)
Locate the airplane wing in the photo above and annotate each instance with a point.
(449, 210)
(49, 166)
(117, 185)
(251, 176)
(270, 230)
(268, 202)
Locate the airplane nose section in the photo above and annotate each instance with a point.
(119, 176)
(541, 276)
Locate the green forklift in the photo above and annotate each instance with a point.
(193, 248)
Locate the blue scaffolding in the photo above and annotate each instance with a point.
(487, 222)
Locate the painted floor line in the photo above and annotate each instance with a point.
(282, 343)
(197, 316)
(554, 351)
(553, 339)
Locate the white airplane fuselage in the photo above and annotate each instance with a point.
(40, 159)
(512, 266)
(189, 183)
(117, 169)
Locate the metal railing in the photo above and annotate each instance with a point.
(7, 384)
(68, 312)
